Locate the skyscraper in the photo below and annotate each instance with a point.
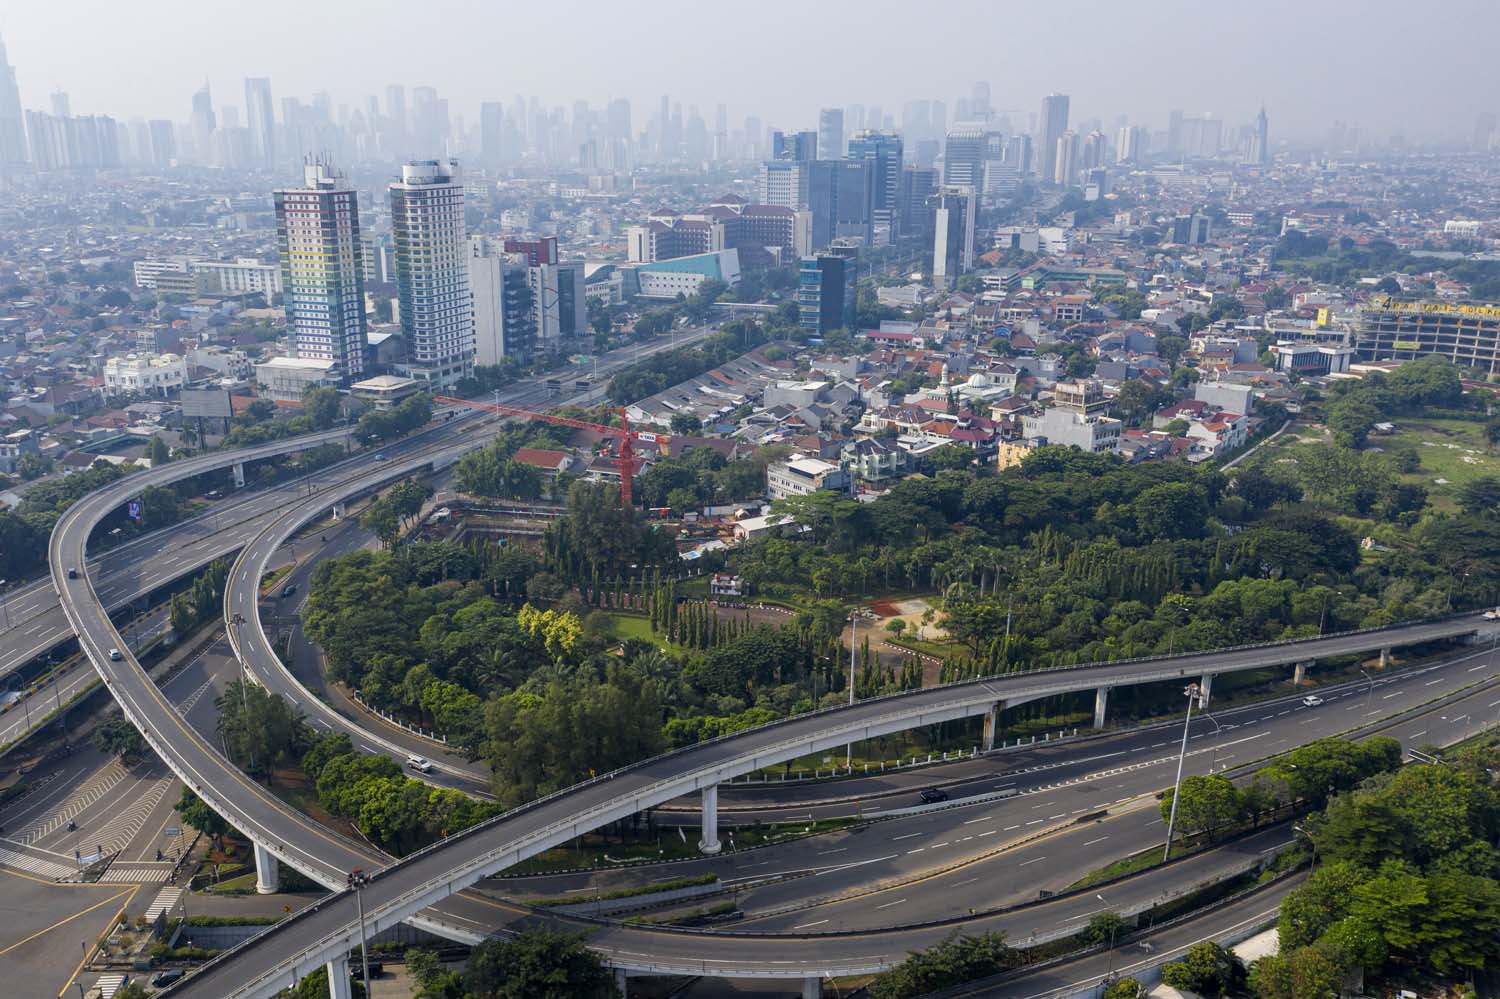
(1262, 138)
(1065, 159)
(800, 146)
(953, 216)
(883, 150)
(831, 133)
(963, 152)
(979, 100)
(1054, 124)
(204, 122)
(12, 121)
(504, 325)
(491, 133)
(261, 119)
(1130, 146)
(827, 286)
(322, 269)
(432, 270)
(841, 195)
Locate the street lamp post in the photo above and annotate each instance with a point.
(1192, 692)
(356, 882)
(1310, 842)
(1218, 731)
(5, 604)
(853, 629)
(1112, 927)
(1370, 699)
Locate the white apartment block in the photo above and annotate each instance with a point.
(144, 374)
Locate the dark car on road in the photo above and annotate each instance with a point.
(933, 795)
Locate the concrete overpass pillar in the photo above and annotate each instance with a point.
(1385, 657)
(338, 978)
(622, 982)
(710, 844)
(992, 725)
(1206, 685)
(812, 988)
(1299, 675)
(239, 475)
(267, 872)
(1101, 705)
(338, 511)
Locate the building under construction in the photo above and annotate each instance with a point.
(1392, 330)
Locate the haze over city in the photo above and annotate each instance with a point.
(1379, 64)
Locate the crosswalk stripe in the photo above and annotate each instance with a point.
(166, 900)
(109, 984)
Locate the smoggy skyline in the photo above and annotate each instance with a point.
(1310, 63)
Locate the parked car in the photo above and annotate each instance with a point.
(1311, 701)
(357, 970)
(933, 795)
(164, 978)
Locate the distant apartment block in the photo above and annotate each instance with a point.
(801, 476)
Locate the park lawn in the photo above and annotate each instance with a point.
(1452, 450)
(632, 626)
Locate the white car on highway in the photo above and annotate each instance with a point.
(1311, 701)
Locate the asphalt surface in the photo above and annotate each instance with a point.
(405, 888)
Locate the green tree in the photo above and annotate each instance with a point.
(196, 813)
(118, 737)
(1308, 911)
(261, 729)
(537, 964)
(1123, 988)
(157, 452)
(955, 960)
(1481, 496)
(1172, 510)
(321, 405)
(1206, 969)
(686, 424)
(1208, 802)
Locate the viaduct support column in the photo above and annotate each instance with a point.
(992, 725)
(239, 475)
(1101, 705)
(710, 844)
(622, 983)
(1206, 685)
(1299, 675)
(1385, 657)
(812, 988)
(338, 978)
(267, 872)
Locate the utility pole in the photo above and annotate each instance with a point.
(853, 630)
(1193, 693)
(356, 882)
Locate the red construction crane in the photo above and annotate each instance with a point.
(624, 458)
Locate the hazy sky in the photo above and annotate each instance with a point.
(1424, 68)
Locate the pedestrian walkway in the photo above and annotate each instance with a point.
(109, 984)
(31, 864)
(131, 874)
(166, 901)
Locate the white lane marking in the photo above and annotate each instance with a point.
(889, 904)
(1101, 839)
(1034, 860)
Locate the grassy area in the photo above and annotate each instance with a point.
(241, 885)
(1452, 450)
(1125, 866)
(668, 845)
(627, 626)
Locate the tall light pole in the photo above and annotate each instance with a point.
(5, 604)
(356, 882)
(1113, 925)
(853, 629)
(1369, 700)
(1218, 731)
(1192, 693)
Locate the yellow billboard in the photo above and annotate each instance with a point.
(1390, 304)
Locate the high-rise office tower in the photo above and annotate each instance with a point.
(491, 133)
(1130, 146)
(827, 287)
(979, 100)
(432, 270)
(163, 142)
(1484, 126)
(1095, 151)
(12, 121)
(1065, 159)
(1018, 153)
(204, 122)
(784, 183)
(61, 106)
(504, 325)
(963, 152)
(1054, 124)
(917, 185)
(1262, 138)
(841, 195)
(322, 269)
(800, 146)
(953, 216)
(617, 117)
(831, 133)
(260, 119)
(883, 150)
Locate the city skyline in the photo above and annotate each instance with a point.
(1112, 62)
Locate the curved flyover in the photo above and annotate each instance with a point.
(434, 875)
